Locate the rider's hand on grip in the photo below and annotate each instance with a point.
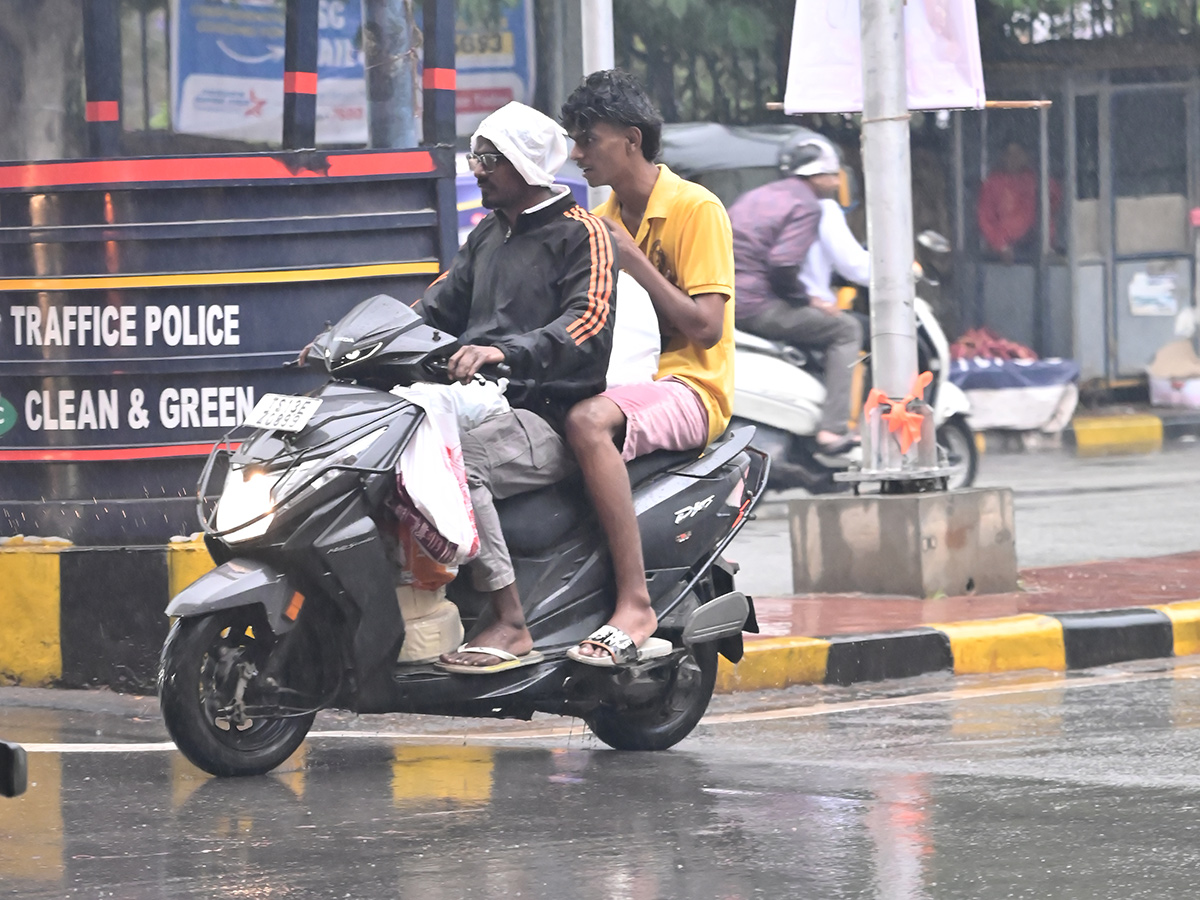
(468, 360)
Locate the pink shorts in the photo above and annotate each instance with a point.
(660, 415)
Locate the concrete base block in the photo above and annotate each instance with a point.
(922, 545)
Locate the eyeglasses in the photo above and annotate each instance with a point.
(485, 162)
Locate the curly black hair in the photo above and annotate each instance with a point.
(614, 96)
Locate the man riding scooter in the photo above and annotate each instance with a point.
(555, 333)
(774, 229)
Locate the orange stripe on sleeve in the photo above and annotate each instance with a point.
(437, 280)
(579, 324)
(604, 271)
(600, 284)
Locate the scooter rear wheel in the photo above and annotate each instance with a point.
(672, 717)
(203, 662)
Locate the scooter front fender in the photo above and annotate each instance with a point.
(239, 582)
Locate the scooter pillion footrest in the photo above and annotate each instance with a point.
(722, 617)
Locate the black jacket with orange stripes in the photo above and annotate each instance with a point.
(544, 292)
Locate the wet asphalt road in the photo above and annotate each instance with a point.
(1040, 786)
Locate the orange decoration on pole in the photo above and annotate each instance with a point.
(899, 418)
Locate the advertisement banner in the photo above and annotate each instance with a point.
(495, 64)
(227, 70)
(945, 69)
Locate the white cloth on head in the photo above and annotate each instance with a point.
(534, 143)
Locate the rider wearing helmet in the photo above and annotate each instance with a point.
(774, 228)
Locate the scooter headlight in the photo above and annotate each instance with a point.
(250, 493)
(245, 496)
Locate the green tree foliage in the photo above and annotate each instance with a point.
(720, 60)
(1026, 21)
(724, 60)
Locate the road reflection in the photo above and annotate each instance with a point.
(939, 798)
(368, 819)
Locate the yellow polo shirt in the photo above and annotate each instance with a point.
(686, 234)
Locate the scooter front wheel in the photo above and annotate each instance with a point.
(206, 666)
(669, 719)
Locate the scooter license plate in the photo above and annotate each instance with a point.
(282, 412)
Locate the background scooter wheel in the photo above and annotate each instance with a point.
(958, 440)
(669, 719)
(197, 674)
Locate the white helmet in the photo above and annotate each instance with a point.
(807, 153)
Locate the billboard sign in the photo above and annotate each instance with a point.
(945, 68)
(227, 70)
(495, 62)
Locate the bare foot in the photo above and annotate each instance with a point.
(636, 619)
(501, 636)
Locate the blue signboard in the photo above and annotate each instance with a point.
(227, 70)
(495, 63)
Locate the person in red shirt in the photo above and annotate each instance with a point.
(1008, 205)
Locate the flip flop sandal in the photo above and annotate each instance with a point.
(620, 648)
(507, 661)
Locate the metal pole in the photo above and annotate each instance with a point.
(439, 82)
(300, 75)
(887, 171)
(558, 63)
(598, 53)
(391, 75)
(1041, 295)
(440, 78)
(1108, 227)
(1069, 196)
(598, 50)
(102, 73)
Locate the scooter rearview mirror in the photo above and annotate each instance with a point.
(932, 240)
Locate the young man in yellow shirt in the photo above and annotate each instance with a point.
(675, 239)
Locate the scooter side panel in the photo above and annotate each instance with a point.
(355, 554)
(680, 529)
(774, 392)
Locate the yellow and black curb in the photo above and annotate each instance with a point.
(80, 616)
(1130, 433)
(1059, 641)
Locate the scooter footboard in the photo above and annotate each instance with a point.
(239, 582)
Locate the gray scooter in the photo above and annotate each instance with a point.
(301, 612)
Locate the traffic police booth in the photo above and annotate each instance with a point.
(146, 303)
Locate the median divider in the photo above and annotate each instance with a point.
(88, 616)
(1057, 642)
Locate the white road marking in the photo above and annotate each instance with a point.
(1057, 683)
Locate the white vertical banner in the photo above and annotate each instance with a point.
(945, 69)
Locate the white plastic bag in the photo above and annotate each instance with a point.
(637, 340)
(472, 403)
(432, 481)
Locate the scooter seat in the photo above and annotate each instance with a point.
(535, 521)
